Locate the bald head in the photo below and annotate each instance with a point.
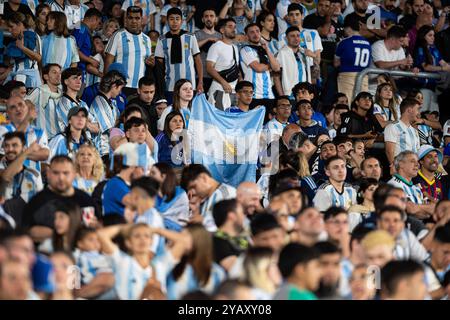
(249, 195)
(246, 187)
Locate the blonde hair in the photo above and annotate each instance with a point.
(98, 169)
(109, 22)
(303, 170)
(377, 238)
(256, 265)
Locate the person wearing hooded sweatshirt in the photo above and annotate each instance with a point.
(46, 97)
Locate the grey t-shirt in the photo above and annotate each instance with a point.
(202, 35)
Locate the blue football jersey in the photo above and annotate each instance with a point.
(355, 54)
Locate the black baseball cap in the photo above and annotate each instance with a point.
(74, 111)
(284, 187)
(363, 95)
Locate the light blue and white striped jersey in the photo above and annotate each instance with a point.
(60, 50)
(385, 112)
(263, 185)
(85, 185)
(185, 112)
(25, 184)
(332, 132)
(45, 102)
(293, 68)
(55, 6)
(346, 274)
(407, 246)
(58, 146)
(223, 192)
(183, 70)
(75, 14)
(131, 278)
(32, 134)
(62, 109)
(92, 263)
(131, 50)
(425, 134)
(309, 39)
(261, 81)
(188, 282)
(141, 155)
(154, 219)
(105, 113)
(148, 9)
(188, 26)
(274, 129)
(93, 79)
(412, 191)
(404, 137)
(254, 6)
(273, 45)
(327, 196)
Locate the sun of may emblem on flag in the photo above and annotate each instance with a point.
(230, 148)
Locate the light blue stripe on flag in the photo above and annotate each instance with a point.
(137, 62)
(226, 143)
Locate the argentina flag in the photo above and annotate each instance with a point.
(226, 143)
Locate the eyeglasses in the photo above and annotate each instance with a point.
(248, 92)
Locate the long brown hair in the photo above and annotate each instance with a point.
(200, 257)
(18, 17)
(60, 23)
(40, 27)
(176, 106)
(170, 181)
(167, 130)
(73, 210)
(392, 102)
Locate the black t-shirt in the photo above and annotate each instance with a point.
(41, 208)
(312, 21)
(7, 11)
(329, 48)
(353, 123)
(223, 249)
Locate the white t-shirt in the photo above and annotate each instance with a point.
(222, 55)
(405, 137)
(381, 53)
